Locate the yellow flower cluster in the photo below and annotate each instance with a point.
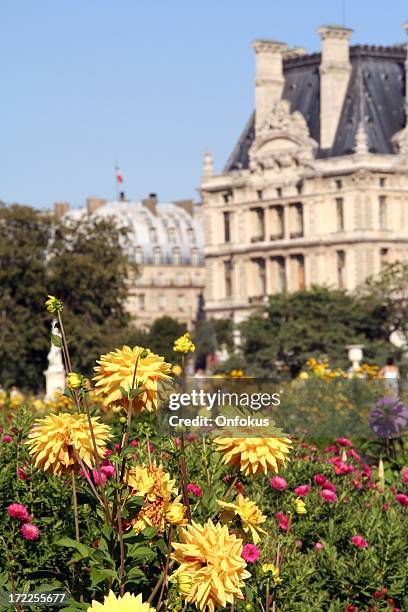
(321, 368)
(236, 373)
(57, 440)
(156, 487)
(250, 515)
(184, 344)
(300, 506)
(213, 557)
(270, 568)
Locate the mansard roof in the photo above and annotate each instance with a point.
(375, 97)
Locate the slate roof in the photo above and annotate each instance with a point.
(375, 95)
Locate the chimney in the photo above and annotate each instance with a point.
(188, 205)
(335, 70)
(93, 203)
(269, 79)
(405, 26)
(151, 202)
(60, 208)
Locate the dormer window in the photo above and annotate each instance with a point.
(157, 257)
(172, 235)
(176, 256)
(153, 234)
(191, 235)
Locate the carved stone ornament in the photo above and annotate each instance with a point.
(400, 142)
(282, 141)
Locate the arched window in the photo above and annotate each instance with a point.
(157, 257)
(176, 256)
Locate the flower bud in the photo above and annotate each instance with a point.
(53, 304)
(184, 584)
(74, 381)
(175, 514)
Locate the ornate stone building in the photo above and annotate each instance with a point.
(166, 241)
(316, 189)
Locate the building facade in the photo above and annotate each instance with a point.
(316, 189)
(166, 243)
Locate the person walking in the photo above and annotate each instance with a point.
(391, 374)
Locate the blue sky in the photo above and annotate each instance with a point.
(148, 82)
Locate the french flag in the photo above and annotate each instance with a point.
(119, 175)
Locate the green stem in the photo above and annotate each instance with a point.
(75, 500)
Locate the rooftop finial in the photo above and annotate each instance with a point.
(361, 140)
(208, 164)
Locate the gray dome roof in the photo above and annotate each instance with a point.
(171, 236)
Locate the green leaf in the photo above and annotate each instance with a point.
(135, 575)
(99, 575)
(56, 340)
(141, 552)
(84, 551)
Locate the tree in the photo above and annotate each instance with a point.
(161, 336)
(24, 323)
(88, 270)
(315, 323)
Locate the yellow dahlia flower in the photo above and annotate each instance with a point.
(127, 603)
(150, 481)
(117, 369)
(254, 455)
(184, 344)
(249, 513)
(156, 486)
(54, 438)
(213, 557)
(74, 380)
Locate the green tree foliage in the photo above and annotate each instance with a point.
(24, 324)
(161, 336)
(294, 327)
(88, 270)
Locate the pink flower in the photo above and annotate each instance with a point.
(352, 453)
(302, 490)
(150, 447)
(331, 449)
(278, 483)
(108, 470)
(6, 438)
(283, 520)
(359, 541)
(344, 442)
(108, 453)
(357, 483)
(18, 511)
(320, 479)
(251, 553)
(367, 471)
(117, 446)
(405, 475)
(30, 531)
(177, 441)
(134, 442)
(402, 499)
(328, 495)
(330, 486)
(319, 546)
(21, 474)
(194, 489)
(95, 477)
(191, 437)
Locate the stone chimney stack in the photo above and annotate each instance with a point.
(60, 208)
(151, 202)
(405, 26)
(93, 203)
(335, 70)
(269, 79)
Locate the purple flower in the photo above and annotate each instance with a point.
(388, 417)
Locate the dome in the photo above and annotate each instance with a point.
(170, 235)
